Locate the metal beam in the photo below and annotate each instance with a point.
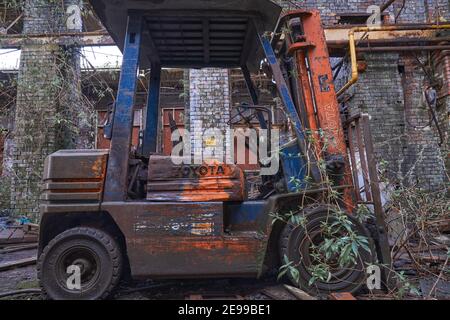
(337, 37)
(149, 143)
(117, 171)
(340, 34)
(82, 39)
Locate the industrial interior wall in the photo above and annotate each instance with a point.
(48, 89)
(210, 103)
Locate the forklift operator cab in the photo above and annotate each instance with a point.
(106, 214)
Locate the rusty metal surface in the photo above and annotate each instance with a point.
(184, 240)
(72, 176)
(311, 46)
(205, 182)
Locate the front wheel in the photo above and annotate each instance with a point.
(80, 264)
(313, 249)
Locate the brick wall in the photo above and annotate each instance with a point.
(209, 96)
(423, 157)
(379, 93)
(391, 90)
(414, 11)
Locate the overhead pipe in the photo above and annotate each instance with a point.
(404, 48)
(351, 38)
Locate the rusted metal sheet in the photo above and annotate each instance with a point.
(184, 240)
(180, 220)
(205, 182)
(74, 175)
(202, 257)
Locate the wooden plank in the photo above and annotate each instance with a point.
(17, 241)
(19, 248)
(17, 263)
(342, 296)
(278, 293)
(299, 294)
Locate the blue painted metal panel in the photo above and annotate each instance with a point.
(117, 170)
(294, 167)
(245, 213)
(151, 127)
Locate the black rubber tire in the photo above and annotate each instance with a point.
(108, 264)
(292, 237)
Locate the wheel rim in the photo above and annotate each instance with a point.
(301, 249)
(306, 249)
(88, 262)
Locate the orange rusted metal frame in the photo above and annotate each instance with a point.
(327, 116)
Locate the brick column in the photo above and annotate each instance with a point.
(43, 99)
(209, 94)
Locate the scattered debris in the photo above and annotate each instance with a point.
(431, 287)
(17, 263)
(14, 232)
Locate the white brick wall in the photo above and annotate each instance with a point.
(210, 103)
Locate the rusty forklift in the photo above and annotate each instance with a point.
(134, 212)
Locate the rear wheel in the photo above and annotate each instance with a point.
(80, 264)
(302, 246)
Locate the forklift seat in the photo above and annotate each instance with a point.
(206, 182)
